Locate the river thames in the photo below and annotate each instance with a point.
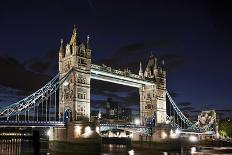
(25, 147)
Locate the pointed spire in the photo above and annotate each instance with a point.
(61, 51)
(163, 62)
(151, 56)
(163, 65)
(140, 69)
(74, 36)
(87, 42)
(61, 44)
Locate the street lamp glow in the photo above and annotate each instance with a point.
(78, 130)
(193, 150)
(65, 83)
(99, 115)
(131, 152)
(87, 129)
(192, 138)
(163, 135)
(97, 129)
(137, 121)
(49, 132)
(177, 131)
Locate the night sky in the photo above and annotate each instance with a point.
(193, 37)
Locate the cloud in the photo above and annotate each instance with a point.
(183, 104)
(40, 67)
(136, 48)
(186, 108)
(46, 64)
(15, 75)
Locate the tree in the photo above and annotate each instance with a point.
(225, 128)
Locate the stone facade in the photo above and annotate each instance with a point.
(75, 92)
(74, 98)
(153, 98)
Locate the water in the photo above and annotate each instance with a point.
(25, 147)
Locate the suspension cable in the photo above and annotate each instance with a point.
(55, 106)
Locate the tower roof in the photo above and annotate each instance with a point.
(61, 51)
(73, 40)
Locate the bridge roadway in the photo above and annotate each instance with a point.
(108, 74)
(103, 127)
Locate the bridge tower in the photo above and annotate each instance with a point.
(74, 94)
(153, 98)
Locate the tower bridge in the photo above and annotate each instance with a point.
(64, 102)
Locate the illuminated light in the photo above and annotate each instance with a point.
(193, 149)
(171, 132)
(87, 129)
(65, 83)
(131, 152)
(163, 135)
(137, 121)
(177, 131)
(97, 129)
(78, 130)
(192, 138)
(173, 136)
(99, 115)
(49, 132)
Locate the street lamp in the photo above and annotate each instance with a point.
(137, 121)
(65, 83)
(192, 138)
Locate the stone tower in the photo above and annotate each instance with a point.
(153, 98)
(74, 93)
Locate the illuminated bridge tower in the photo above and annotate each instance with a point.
(74, 96)
(153, 97)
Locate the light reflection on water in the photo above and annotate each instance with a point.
(25, 147)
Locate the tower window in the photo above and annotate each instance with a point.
(152, 71)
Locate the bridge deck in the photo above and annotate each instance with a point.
(31, 124)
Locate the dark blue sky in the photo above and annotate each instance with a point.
(194, 38)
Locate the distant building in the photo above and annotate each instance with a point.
(126, 114)
(111, 109)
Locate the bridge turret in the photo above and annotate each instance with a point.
(151, 68)
(153, 97)
(140, 70)
(87, 42)
(61, 54)
(73, 40)
(75, 94)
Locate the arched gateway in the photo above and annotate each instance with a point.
(75, 92)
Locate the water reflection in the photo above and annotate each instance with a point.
(25, 147)
(12, 147)
(123, 150)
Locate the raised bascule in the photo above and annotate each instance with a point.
(63, 104)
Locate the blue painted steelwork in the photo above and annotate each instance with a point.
(31, 124)
(97, 72)
(34, 99)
